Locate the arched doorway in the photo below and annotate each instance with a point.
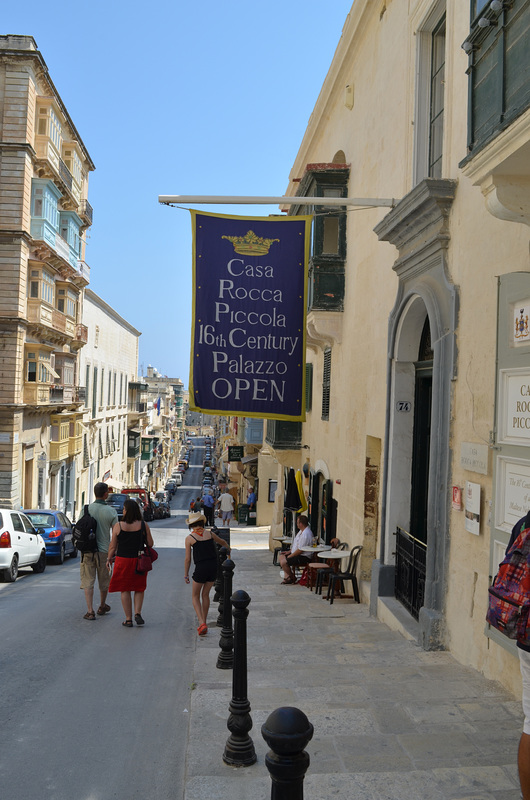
(412, 544)
(419, 399)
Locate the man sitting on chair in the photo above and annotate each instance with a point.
(294, 557)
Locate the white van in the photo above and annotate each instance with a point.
(177, 477)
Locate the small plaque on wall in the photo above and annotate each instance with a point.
(474, 457)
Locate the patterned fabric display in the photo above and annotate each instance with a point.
(509, 595)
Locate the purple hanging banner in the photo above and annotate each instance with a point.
(249, 315)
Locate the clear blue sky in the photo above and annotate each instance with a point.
(178, 97)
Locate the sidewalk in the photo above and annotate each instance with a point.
(392, 722)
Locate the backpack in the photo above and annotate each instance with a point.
(509, 595)
(84, 533)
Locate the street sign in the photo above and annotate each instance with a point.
(236, 453)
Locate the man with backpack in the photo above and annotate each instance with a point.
(94, 562)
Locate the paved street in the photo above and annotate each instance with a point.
(392, 722)
(92, 710)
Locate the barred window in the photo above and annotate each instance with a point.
(326, 384)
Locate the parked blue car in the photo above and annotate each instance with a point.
(56, 530)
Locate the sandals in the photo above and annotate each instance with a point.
(139, 619)
(89, 615)
(202, 630)
(103, 610)
(127, 623)
(287, 582)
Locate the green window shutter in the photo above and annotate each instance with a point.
(326, 384)
(308, 386)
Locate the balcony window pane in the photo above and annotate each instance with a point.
(47, 286)
(436, 117)
(331, 235)
(32, 371)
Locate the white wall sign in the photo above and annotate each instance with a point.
(512, 496)
(514, 416)
(474, 457)
(472, 513)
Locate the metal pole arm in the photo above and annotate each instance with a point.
(184, 199)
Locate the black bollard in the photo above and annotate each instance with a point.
(222, 554)
(225, 659)
(287, 731)
(239, 748)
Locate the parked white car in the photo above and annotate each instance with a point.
(177, 477)
(20, 545)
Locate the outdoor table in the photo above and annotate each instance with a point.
(336, 555)
(319, 548)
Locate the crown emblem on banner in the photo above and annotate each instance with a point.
(250, 244)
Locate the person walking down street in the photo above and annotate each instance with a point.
(226, 505)
(294, 557)
(200, 542)
(208, 503)
(93, 564)
(523, 755)
(128, 539)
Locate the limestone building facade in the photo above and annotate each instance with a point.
(416, 440)
(44, 214)
(109, 373)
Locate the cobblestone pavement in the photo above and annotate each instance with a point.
(392, 722)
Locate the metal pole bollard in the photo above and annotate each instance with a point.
(225, 659)
(239, 748)
(287, 731)
(222, 554)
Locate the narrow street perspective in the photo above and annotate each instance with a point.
(265, 400)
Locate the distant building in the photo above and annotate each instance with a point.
(108, 367)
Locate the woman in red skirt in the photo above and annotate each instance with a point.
(128, 539)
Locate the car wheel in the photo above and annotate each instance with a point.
(60, 557)
(40, 566)
(10, 574)
(73, 554)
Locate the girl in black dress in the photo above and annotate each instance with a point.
(201, 543)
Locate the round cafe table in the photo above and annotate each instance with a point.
(319, 548)
(336, 555)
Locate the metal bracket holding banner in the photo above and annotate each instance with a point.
(363, 202)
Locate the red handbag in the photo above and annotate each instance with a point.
(146, 557)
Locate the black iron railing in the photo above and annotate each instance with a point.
(411, 560)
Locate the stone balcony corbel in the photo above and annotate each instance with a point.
(508, 197)
(324, 329)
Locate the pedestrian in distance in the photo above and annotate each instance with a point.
(128, 539)
(95, 564)
(207, 506)
(226, 506)
(200, 543)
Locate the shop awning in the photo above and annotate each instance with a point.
(249, 459)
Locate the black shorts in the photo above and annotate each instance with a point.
(205, 571)
(298, 561)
